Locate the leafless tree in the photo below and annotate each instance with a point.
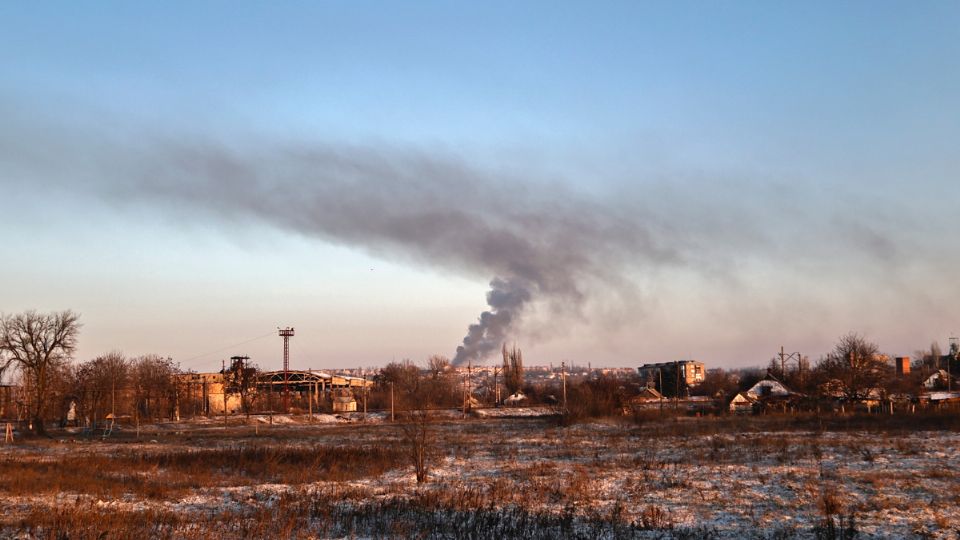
(6, 362)
(155, 386)
(39, 343)
(241, 378)
(856, 365)
(438, 365)
(717, 382)
(100, 382)
(417, 431)
(416, 398)
(443, 385)
(512, 369)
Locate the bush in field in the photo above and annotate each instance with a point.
(414, 394)
(655, 518)
(596, 398)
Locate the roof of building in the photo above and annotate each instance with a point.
(769, 386)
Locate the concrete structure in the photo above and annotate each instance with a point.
(903, 366)
(205, 395)
(692, 372)
(206, 391)
(343, 401)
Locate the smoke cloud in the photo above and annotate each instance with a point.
(540, 242)
(506, 299)
(546, 247)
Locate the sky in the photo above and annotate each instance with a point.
(612, 183)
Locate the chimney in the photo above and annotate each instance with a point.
(903, 366)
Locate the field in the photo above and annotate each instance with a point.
(759, 477)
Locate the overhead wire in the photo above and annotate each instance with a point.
(228, 347)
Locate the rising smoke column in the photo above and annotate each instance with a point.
(506, 299)
(551, 250)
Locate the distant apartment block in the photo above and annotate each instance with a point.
(903, 366)
(692, 372)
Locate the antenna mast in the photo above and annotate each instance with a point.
(286, 334)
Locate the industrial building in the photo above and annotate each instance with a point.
(691, 372)
(304, 388)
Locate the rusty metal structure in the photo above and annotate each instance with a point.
(286, 334)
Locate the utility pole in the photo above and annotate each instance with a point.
(223, 379)
(563, 378)
(113, 393)
(955, 350)
(391, 402)
(676, 374)
(465, 378)
(784, 357)
(660, 374)
(496, 387)
(800, 368)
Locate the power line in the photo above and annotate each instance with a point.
(229, 347)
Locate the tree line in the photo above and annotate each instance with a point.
(38, 348)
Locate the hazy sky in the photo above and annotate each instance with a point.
(638, 181)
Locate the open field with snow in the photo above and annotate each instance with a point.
(773, 477)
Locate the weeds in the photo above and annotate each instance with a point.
(680, 478)
(168, 474)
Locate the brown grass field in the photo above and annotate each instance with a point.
(757, 477)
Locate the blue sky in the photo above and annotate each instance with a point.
(800, 158)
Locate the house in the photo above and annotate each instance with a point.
(343, 401)
(939, 398)
(648, 398)
(647, 395)
(766, 394)
(938, 380)
(743, 403)
(769, 387)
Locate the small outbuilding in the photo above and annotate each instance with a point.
(343, 401)
(743, 403)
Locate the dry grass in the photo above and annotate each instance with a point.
(171, 473)
(684, 478)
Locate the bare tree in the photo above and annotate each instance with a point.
(512, 369)
(100, 382)
(442, 384)
(6, 362)
(856, 365)
(39, 343)
(438, 365)
(155, 386)
(416, 397)
(418, 437)
(241, 378)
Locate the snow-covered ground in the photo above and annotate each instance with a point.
(666, 483)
